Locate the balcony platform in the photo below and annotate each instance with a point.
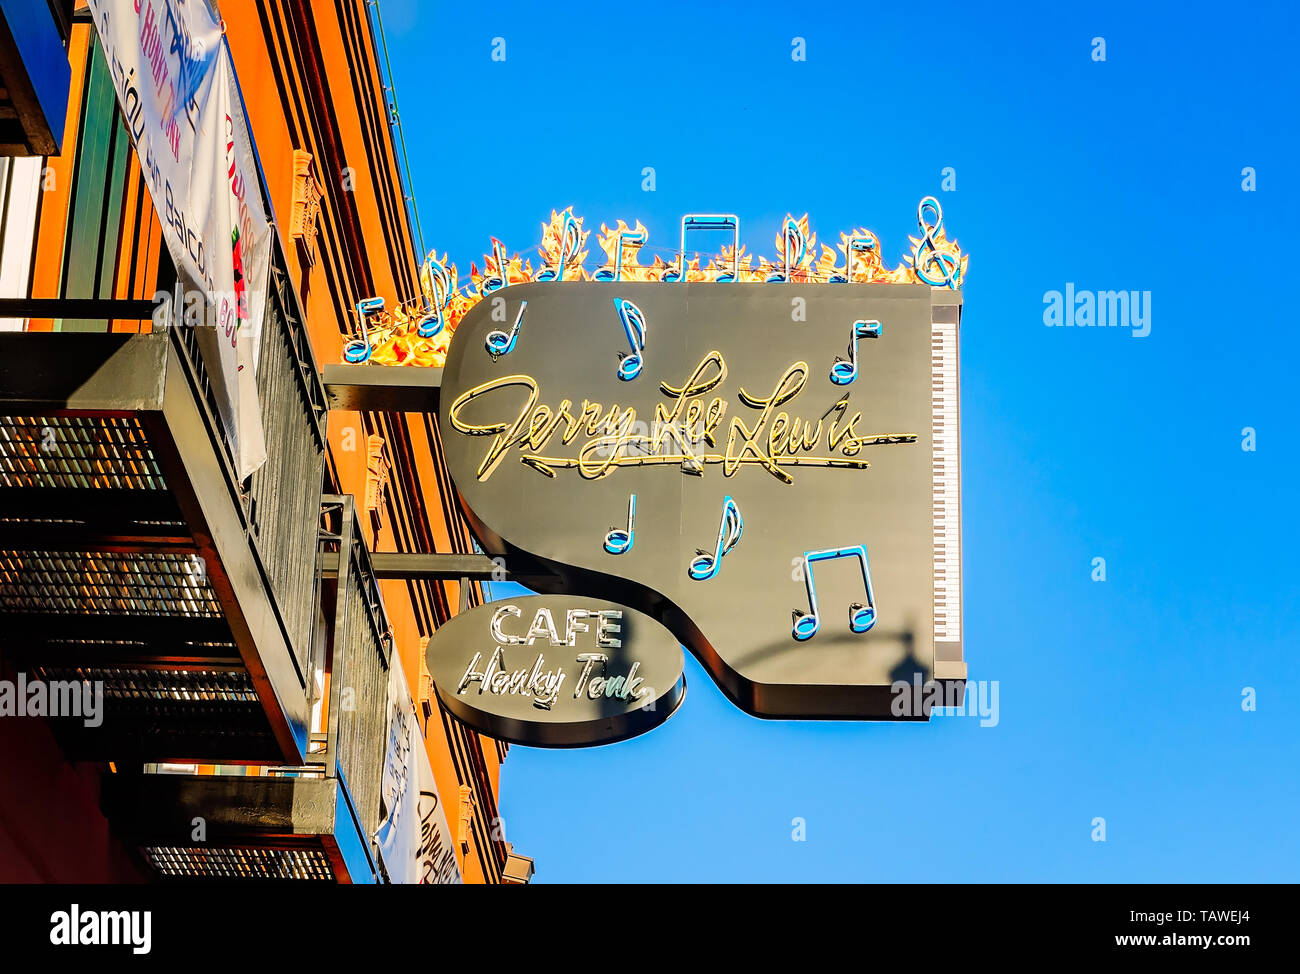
(130, 553)
(256, 828)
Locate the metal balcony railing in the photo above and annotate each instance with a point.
(132, 555)
(284, 493)
(311, 822)
(360, 650)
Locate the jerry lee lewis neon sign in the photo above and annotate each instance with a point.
(773, 440)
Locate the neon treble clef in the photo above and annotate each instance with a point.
(861, 617)
(503, 343)
(570, 240)
(945, 264)
(619, 541)
(629, 366)
(705, 565)
(843, 372)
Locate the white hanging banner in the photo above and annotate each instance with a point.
(413, 837)
(178, 92)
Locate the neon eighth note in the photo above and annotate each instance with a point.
(856, 244)
(795, 245)
(842, 372)
(499, 280)
(500, 343)
(571, 237)
(637, 237)
(434, 272)
(705, 565)
(629, 366)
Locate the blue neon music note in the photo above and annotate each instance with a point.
(629, 366)
(796, 248)
(498, 280)
(855, 245)
(945, 264)
(705, 565)
(861, 617)
(502, 343)
(357, 350)
(570, 241)
(430, 324)
(631, 236)
(707, 221)
(620, 541)
(843, 372)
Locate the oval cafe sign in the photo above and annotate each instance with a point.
(557, 670)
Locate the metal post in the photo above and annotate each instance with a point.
(338, 661)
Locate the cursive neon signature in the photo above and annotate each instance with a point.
(774, 439)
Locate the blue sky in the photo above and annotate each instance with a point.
(1119, 699)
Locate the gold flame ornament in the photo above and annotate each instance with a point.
(418, 332)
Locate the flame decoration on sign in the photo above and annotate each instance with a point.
(418, 331)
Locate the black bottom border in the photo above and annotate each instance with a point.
(936, 924)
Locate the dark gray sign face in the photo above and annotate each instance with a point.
(769, 470)
(557, 670)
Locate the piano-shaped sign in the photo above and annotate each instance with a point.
(771, 471)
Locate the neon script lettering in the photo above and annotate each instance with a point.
(774, 440)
